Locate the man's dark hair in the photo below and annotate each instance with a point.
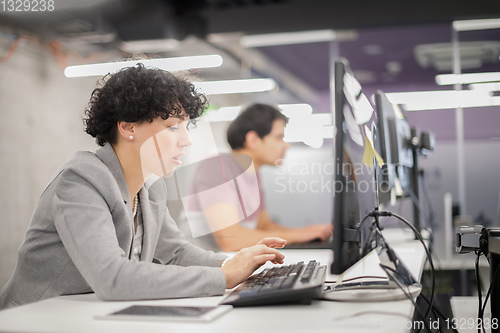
(256, 117)
(137, 94)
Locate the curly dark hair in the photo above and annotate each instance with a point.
(137, 94)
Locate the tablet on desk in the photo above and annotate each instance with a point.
(168, 313)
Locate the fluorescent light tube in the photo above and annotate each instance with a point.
(296, 110)
(447, 99)
(156, 45)
(300, 37)
(310, 129)
(168, 64)
(447, 79)
(490, 86)
(235, 86)
(468, 25)
(224, 114)
(288, 38)
(231, 112)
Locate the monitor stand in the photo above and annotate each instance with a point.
(378, 276)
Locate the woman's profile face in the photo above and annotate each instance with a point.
(164, 144)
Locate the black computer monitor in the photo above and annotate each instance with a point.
(394, 146)
(387, 175)
(355, 190)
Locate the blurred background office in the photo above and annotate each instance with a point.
(391, 46)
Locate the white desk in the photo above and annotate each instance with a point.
(465, 312)
(76, 313)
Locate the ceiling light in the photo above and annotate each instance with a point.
(154, 45)
(448, 99)
(468, 25)
(491, 86)
(235, 86)
(224, 114)
(310, 129)
(301, 37)
(231, 112)
(295, 110)
(168, 64)
(446, 79)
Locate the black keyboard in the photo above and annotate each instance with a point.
(280, 284)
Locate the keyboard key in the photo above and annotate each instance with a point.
(288, 282)
(271, 272)
(298, 268)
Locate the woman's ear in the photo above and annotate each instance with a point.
(126, 130)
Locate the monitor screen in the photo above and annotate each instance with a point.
(356, 170)
(387, 175)
(394, 147)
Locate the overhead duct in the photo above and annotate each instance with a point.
(472, 55)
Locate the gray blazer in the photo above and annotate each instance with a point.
(80, 236)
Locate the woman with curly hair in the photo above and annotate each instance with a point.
(101, 225)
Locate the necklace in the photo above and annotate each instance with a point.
(136, 204)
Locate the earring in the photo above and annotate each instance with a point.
(131, 137)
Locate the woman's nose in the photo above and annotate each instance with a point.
(185, 140)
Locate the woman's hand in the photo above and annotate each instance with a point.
(245, 262)
(273, 242)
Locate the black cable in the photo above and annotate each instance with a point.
(425, 280)
(419, 236)
(427, 219)
(438, 311)
(388, 271)
(479, 296)
(436, 304)
(488, 295)
(420, 209)
(427, 198)
(430, 215)
(429, 257)
(358, 227)
(368, 240)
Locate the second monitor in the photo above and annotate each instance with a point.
(355, 176)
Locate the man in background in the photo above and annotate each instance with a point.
(236, 217)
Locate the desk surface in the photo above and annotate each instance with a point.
(76, 313)
(465, 313)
